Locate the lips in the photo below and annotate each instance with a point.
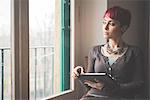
(106, 33)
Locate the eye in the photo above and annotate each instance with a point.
(112, 24)
(104, 22)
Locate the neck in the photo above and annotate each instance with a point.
(114, 43)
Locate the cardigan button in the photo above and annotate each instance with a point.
(109, 69)
(110, 75)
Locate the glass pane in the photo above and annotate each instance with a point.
(41, 37)
(5, 65)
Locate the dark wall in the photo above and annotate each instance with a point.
(138, 32)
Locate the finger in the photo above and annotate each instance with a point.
(79, 69)
(82, 70)
(76, 73)
(74, 76)
(88, 82)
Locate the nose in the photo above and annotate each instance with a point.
(106, 26)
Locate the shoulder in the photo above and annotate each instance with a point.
(135, 50)
(97, 47)
(95, 50)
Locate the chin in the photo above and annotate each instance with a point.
(106, 37)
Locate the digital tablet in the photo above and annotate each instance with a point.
(101, 77)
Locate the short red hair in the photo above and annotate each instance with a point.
(120, 14)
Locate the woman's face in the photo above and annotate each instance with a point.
(111, 28)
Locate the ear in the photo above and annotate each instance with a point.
(124, 28)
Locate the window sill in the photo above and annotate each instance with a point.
(58, 95)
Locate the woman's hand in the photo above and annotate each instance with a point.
(77, 71)
(97, 85)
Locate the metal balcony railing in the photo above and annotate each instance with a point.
(2, 70)
(39, 56)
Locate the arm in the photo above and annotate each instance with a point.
(91, 61)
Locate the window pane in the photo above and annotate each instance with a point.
(49, 25)
(5, 66)
(41, 35)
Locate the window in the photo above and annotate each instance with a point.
(5, 50)
(41, 35)
(49, 35)
(35, 36)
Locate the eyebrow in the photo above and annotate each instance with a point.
(110, 20)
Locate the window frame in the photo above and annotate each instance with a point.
(68, 26)
(65, 44)
(20, 50)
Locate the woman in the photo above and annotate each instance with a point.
(121, 61)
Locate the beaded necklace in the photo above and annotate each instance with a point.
(118, 50)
